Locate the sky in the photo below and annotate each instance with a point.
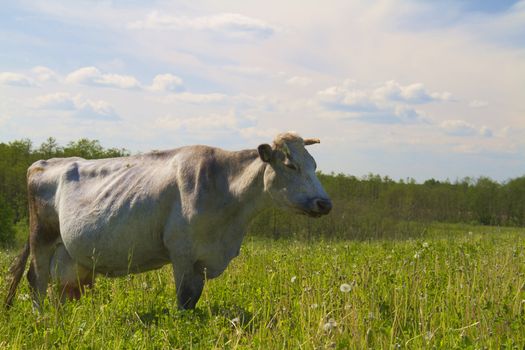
(406, 89)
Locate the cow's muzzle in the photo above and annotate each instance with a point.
(318, 207)
(323, 205)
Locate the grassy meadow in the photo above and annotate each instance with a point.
(453, 287)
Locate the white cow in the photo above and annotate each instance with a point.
(189, 207)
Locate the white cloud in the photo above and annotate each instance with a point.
(388, 103)
(485, 131)
(83, 75)
(167, 82)
(412, 93)
(44, 74)
(478, 104)
(93, 76)
(194, 98)
(244, 70)
(342, 99)
(299, 81)
(4, 118)
(78, 104)
(259, 133)
(15, 79)
(231, 24)
(206, 124)
(57, 101)
(99, 110)
(350, 97)
(457, 127)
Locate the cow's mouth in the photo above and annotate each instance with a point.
(314, 214)
(307, 212)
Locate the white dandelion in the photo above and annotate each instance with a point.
(23, 296)
(345, 288)
(331, 324)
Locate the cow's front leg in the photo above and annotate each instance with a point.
(189, 280)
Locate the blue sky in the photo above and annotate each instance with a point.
(401, 88)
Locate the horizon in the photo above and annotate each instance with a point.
(405, 89)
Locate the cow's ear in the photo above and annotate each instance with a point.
(265, 152)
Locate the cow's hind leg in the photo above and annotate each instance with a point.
(70, 276)
(189, 281)
(42, 247)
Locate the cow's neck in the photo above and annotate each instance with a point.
(247, 182)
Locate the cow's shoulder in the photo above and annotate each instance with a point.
(197, 159)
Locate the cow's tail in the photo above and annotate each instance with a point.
(16, 271)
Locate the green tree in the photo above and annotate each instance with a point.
(50, 148)
(92, 149)
(7, 221)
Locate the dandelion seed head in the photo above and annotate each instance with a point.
(429, 335)
(23, 296)
(331, 324)
(345, 288)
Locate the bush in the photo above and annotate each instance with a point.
(7, 220)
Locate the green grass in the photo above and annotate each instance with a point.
(456, 287)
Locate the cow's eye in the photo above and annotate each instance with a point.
(291, 166)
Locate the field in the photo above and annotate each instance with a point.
(455, 287)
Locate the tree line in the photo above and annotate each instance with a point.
(364, 207)
(379, 207)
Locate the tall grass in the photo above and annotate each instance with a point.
(453, 287)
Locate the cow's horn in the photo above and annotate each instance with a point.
(311, 141)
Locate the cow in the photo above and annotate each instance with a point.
(188, 207)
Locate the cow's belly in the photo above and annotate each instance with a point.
(112, 250)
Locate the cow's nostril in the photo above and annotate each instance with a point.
(323, 205)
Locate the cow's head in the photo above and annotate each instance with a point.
(290, 177)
